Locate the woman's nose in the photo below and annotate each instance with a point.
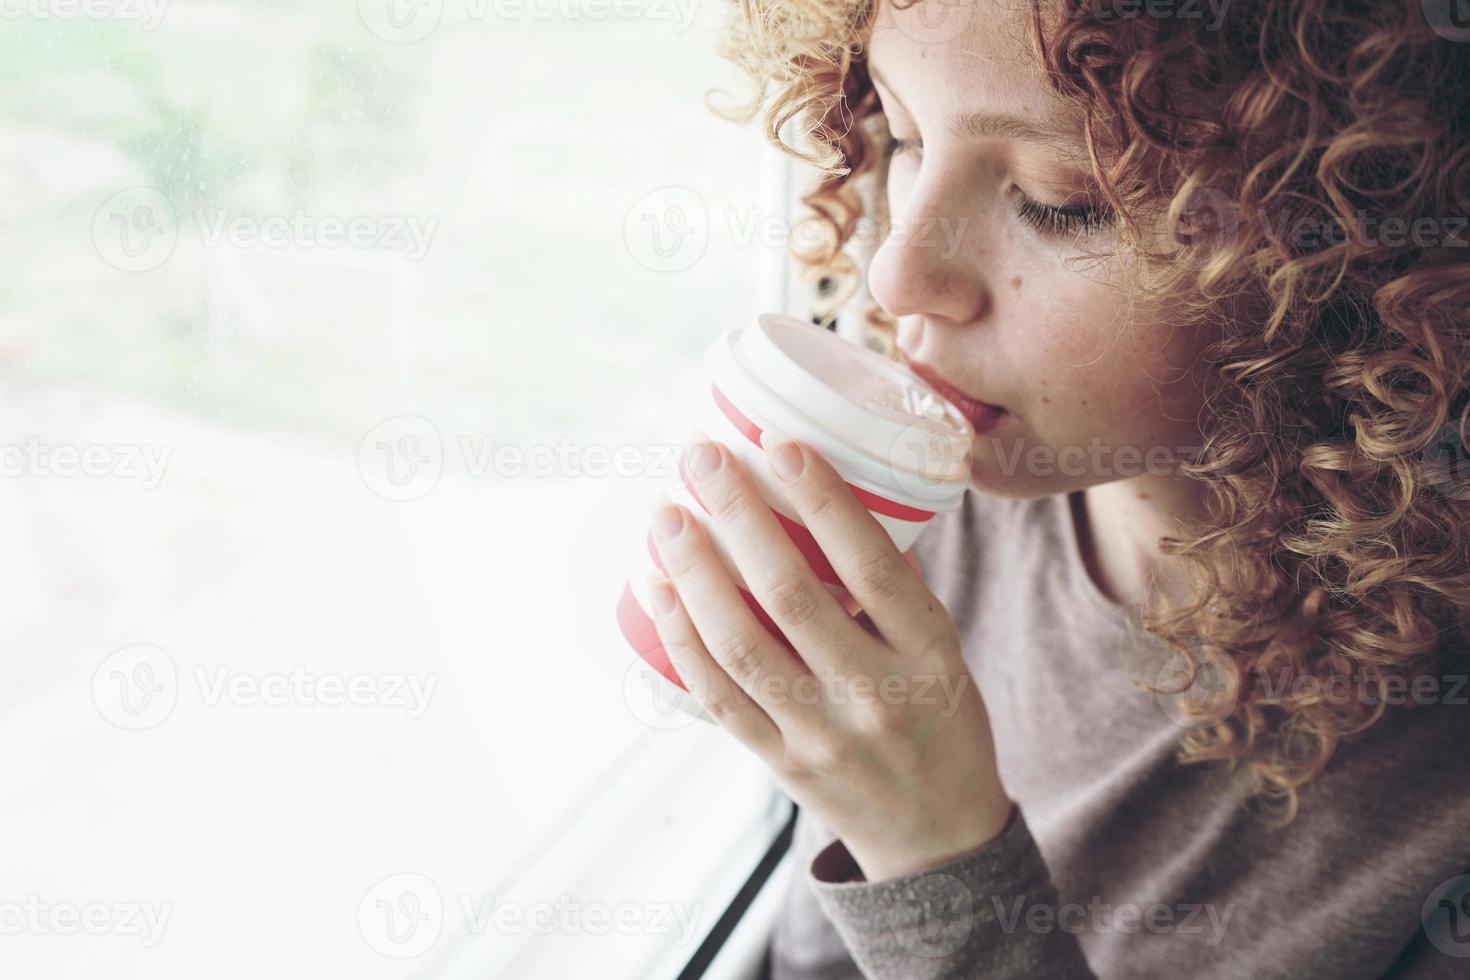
(932, 262)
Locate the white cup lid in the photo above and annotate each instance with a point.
(870, 403)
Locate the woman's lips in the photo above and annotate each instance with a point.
(982, 415)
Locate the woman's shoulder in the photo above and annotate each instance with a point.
(1415, 748)
(1397, 794)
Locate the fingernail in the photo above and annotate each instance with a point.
(785, 455)
(661, 591)
(703, 459)
(667, 521)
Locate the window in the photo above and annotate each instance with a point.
(323, 325)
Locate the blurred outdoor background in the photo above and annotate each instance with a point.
(339, 349)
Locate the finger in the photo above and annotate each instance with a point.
(726, 702)
(881, 578)
(777, 573)
(913, 560)
(743, 648)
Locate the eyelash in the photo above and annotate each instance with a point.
(1059, 221)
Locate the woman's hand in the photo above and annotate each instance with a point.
(881, 735)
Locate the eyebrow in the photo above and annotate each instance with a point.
(983, 123)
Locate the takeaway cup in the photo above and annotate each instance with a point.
(901, 447)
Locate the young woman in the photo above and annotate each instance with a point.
(1181, 688)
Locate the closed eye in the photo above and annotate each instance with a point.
(1057, 220)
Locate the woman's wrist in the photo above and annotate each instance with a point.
(886, 861)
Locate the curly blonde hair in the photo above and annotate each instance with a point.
(1279, 150)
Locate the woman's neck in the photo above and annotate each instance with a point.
(1118, 529)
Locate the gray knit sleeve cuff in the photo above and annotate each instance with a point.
(981, 915)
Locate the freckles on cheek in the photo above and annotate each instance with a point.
(1071, 380)
(1075, 361)
(1064, 391)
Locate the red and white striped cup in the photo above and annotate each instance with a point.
(902, 448)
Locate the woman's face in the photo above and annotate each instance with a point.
(974, 268)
